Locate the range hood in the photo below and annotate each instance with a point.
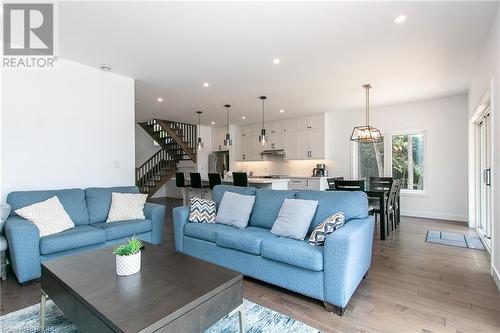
(280, 153)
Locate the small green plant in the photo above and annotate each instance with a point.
(132, 246)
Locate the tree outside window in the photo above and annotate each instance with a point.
(406, 159)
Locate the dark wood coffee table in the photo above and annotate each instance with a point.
(172, 293)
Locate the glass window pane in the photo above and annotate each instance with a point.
(408, 160)
(370, 160)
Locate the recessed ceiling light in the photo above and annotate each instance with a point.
(276, 61)
(243, 117)
(105, 67)
(213, 123)
(281, 111)
(159, 99)
(206, 84)
(400, 19)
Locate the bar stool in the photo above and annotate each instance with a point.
(240, 179)
(180, 181)
(214, 179)
(196, 184)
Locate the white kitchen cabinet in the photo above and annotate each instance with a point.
(218, 136)
(316, 121)
(292, 151)
(275, 141)
(301, 138)
(303, 144)
(317, 143)
(304, 184)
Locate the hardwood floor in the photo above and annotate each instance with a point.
(412, 286)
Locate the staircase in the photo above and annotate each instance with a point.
(177, 142)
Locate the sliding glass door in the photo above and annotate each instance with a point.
(484, 149)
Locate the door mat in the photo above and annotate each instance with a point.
(453, 239)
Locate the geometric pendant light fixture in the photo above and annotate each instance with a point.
(227, 139)
(366, 133)
(262, 136)
(200, 144)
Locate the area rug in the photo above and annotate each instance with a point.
(258, 319)
(453, 239)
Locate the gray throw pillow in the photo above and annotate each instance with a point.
(294, 218)
(235, 209)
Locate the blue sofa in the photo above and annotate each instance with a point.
(330, 273)
(89, 210)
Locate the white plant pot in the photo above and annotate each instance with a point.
(128, 265)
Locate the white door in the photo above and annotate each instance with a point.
(484, 173)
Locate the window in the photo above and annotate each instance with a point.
(370, 160)
(406, 161)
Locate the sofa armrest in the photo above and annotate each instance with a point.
(155, 213)
(23, 239)
(181, 216)
(347, 258)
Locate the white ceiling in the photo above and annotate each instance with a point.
(327, 51)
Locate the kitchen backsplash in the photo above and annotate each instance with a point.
(290, 168)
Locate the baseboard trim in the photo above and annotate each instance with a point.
(433, 215)
(496, 276)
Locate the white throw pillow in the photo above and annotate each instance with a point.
(49, 216)
(235, 209)
(126, 206)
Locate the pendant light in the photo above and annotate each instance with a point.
(227, 140)
(262, 136)
(366, 133)
(199, 144)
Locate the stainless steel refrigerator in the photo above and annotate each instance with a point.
(218, 162)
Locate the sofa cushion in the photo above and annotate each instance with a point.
(267, 206)
(205, 231)
(246, 240)
(115, 230)
(354, 204)
(73, 201)
(77, 237)
(293, 252)
(219, 190)
(99, 200)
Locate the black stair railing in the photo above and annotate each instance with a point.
(152, 171)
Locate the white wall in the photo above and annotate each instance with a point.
(69, 127)
(487, 75)
(445, 122)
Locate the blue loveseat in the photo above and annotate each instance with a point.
(330, 273)
(89, 210)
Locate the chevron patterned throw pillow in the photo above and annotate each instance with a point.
(325, 228)
(202, 210)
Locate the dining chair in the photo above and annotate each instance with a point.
(349, 185)
(380, 183)
(390, 205)
(240, 179)
(214, 179)
(331, 182)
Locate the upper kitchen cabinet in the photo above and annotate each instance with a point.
(302, 138)
(218, 135)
